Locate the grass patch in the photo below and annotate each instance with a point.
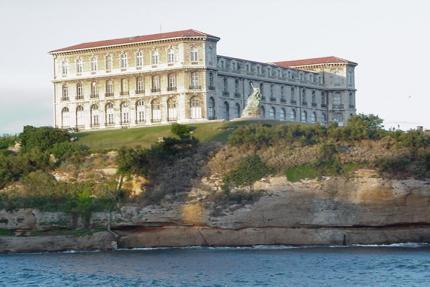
(146, 136)
(300, 172)
(6, 232)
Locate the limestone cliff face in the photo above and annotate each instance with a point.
(362, 209)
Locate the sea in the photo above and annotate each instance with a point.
(386, 265)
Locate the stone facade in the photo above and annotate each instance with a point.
(178, 77)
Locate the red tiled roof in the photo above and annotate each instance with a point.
(135, 39)
(313, 61)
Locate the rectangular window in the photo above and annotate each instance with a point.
(171, 82)
(139, 85)
(139, 59)
(94, 64)
(194, 80)
(108, 63)
(64, 68)
(79, 66)
(156, 83)
(124, 86)
(337, 100)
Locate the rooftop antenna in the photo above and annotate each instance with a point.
(160, 28)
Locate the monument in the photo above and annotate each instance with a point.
(252, 109)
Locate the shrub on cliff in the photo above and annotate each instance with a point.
(7, 141)
(42, 138)
(249, 170)
(260, 135)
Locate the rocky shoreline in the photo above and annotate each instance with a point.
(332, 211)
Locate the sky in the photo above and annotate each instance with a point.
(388, 39)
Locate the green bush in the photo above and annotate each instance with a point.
(300, 172)
(7, 141)
(249, 170)
(68, 150)
(42, 138)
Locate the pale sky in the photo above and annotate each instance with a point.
(388, 39)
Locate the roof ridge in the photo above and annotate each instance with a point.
(134, 39)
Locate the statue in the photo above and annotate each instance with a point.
(252, 108)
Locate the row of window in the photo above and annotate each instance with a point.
(123, 61)
(269, 71)
(124, 114)
(140, 86)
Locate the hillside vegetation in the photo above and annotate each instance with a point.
(84, 172)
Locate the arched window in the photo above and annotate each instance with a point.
(283, 115)
(226, 111)
(263, 112)
(304, 116)
(108, 63)
(79, 66)
(94, 64)
(65, 117)
(194, 54)
(324, 117)
(314, 99)
(156, 110)
(170, 56)
(292, 115)
(109, 114)
(139, 59)
(211, 108)
(195, 108)
(125, 119)
(123, 61)
(172, 114)
(80, 121)
(64, 68)
(313, 117)
(140, 111)
(109, 88)
(65, 93)
(95, 116)
(237, 110)
(272, 113)
(155, 57)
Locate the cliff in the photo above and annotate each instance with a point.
(335, 210)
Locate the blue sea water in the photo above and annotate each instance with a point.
(405, 265)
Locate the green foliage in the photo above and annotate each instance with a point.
(264, 134)
(142, 161)
(249, 170)
(182, 131)
(41, 190)
(42, 138)
(297, 173)
(6, 232)
(68, 150)
(363, 127)
(7, 141)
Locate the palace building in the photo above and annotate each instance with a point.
(179, 77)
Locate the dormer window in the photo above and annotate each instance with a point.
(155, 57)
(108, 63)
(139, 59)
(94, 64)
(123, 61)
(79, 66)
(64, 68)
(194, 54)
(170, 56)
